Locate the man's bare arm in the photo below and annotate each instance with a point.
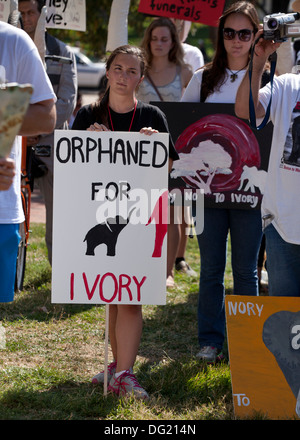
(39, 118)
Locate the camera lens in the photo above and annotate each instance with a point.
(272, 23)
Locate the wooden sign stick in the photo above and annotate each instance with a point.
(106, 348)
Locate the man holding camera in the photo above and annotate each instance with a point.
(281, 201)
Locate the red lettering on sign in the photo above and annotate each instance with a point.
(102, 297)
(72, 287)
(110, 286)
(125, 286)
(205, 11)
(139, 285)
(88, 292)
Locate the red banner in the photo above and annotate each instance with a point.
(198, 11)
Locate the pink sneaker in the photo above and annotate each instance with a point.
(127, 384)
(99, 378)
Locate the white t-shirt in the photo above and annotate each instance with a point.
(20, 61)
(226, 94)
(282, 192)
(193, 56)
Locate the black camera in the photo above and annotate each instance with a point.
(279, 27)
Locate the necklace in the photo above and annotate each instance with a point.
(110, 119)
(234, 75)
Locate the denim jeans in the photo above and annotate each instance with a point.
(9, 242)
(283, 264)
(245, 227)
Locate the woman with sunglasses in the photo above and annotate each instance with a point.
(218, 82)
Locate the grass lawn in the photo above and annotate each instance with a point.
(52, 351)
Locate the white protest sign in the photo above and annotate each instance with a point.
(98, 257)
(4, 10)
(66, 14)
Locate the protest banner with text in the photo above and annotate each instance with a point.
(200, 11)
(110, 217)
(66, 14)
(4, 10)
(219, 153)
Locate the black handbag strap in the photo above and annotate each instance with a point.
(154, 86)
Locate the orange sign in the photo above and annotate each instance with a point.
(264, 351)
(207, 11)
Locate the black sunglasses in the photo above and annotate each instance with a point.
(243, 34)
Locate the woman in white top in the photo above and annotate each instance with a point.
(166, 78)
(220, 83)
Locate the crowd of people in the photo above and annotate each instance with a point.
(162, 70)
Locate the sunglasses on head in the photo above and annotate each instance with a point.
(243, 34)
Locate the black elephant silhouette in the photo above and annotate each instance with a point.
(106, 233)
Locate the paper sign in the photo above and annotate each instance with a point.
(4, 10)
(14, 101)
(219, 153)
(207, 12)
(109, 241)
(264, 351)
(66, 14)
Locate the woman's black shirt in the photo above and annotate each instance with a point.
(146, 115)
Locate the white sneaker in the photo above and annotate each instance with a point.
(210, 354)
(127, 384)
(99, 378)
(184, 267)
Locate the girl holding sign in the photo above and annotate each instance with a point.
(119, 110)
(218, 82)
